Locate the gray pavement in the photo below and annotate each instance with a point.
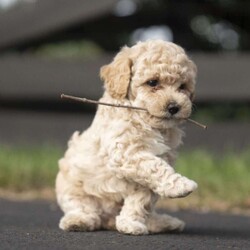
(33, 225)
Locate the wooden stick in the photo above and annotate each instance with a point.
(79, 99)
(85, 100)
(197, 123)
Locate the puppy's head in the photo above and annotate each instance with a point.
(155, 75)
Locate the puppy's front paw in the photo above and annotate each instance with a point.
(79, 221)
(180, 187)
(129, 226)
(176, 186)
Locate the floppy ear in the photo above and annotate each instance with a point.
(116, 75)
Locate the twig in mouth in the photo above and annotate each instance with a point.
(85, 100)
(197, 123)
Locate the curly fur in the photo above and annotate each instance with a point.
(113, 173)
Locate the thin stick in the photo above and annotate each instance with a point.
(197, 123)
(79, 99)
(85, 100)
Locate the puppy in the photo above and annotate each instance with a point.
(113, 173)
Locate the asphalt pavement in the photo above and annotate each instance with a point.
(34, 225)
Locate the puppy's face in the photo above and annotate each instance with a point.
(160, 78)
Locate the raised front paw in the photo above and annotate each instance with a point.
(177, 186)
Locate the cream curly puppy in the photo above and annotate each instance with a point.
(113, 173)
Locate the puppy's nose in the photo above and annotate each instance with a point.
(173, 108)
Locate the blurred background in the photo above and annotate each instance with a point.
(49, 47)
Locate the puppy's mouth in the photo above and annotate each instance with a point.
(169, 118)
(171, 115)
(173, 111)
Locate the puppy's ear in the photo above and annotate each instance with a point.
(116, 75)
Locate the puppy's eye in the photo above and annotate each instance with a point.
(183, 86)
(152, 83)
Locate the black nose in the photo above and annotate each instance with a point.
(173, 108)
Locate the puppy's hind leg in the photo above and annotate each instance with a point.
(158, 223)
(82, 212)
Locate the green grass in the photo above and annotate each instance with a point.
(225, 177)
(220, 178)
(226, 111)
(23, 168)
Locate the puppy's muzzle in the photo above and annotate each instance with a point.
(173, 108)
